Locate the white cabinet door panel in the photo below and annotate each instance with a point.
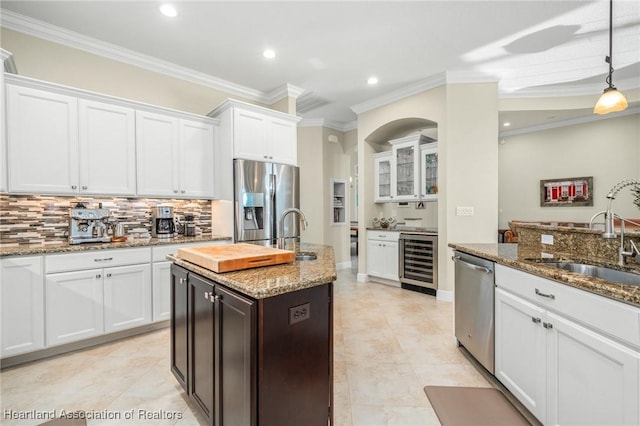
(283, 142)
(74, 306)
(107, 148)
(157, 154)
(22, 305)
(42, 141)
(127, 297)
(196, 159)
(520, 350)
(161, 291)
(250, 135)
(591, 379)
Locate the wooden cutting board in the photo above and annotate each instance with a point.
(234, 257)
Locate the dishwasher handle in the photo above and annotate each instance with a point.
(471, 265)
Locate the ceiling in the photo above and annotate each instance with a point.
(329, 49)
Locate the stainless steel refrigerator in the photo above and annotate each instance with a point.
(262, 191)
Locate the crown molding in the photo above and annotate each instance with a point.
(285, 91)
(330, 124)
(569, 122)
(403, 92)
(43, 30)
(8, 63)
(574, 90)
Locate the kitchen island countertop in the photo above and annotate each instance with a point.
(63, 247)
(269, 281)
(530, 261)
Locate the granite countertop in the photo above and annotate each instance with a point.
(530, 261)
(63, 247)
(268, 281)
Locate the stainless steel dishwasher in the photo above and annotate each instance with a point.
(474, 318)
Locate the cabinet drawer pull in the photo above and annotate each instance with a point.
(84, 186)
(206, 295)
(74, 187)
(175, 191)
(548, 296)
(183, 280)
(104, 259)
(547, 325)
(536, 320)
(109, 275)
(98, 276)
(183, 191)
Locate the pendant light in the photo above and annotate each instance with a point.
(611, 100)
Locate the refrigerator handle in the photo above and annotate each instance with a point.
(272, 185)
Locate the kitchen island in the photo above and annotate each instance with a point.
(255, 346)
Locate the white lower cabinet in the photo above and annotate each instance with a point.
(161, 291)
(74, 306)
(21, 305)
(127, 301)
(566, 370)
(382, 254)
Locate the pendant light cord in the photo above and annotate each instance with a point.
(609, 59)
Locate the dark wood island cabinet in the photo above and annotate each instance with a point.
(254, 347)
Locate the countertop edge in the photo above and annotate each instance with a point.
(507, 254)
(269, 281)
(43, 249)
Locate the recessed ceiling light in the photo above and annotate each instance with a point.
(269, 54)
(372, 81)
(506, 124)
(168, 10)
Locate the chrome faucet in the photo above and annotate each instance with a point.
(609, 227)
(303, 224)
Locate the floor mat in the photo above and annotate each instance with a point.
(463, 406)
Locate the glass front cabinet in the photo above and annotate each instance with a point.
(406, 157)
(382, 164)
(429, 163)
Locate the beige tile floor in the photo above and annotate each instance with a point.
(389, 344)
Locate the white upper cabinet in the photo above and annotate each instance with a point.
(429, 171)
(249, 135)
(383, 166)
(107, 148)
(195, 150)
(157, 154)
(67, 141)
(42, 139)
(406, 179)
(282, 141)
(175, 156)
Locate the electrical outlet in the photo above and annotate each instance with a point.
(299, 313)
(464, 211)
(546, 239)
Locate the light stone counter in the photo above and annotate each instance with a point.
(38, 249)
(529, 259)
(268, 281)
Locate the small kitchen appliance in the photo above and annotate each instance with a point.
(88, 225)
(189, 225)
(162, 223)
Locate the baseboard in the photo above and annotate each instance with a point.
(362, 278)
(343, 265)
(444, 295)
(385, 281)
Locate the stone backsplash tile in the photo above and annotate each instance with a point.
(32, 219)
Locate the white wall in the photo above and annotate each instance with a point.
(312, 186)
(608, 150)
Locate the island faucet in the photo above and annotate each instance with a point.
(609, 227)
(303, 224)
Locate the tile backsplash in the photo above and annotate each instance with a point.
(33, 219)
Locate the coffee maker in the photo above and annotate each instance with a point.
(88, 225)
(162, 225)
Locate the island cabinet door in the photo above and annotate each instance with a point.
(235, 359)
(201, 345)
(179, 325)
(294, 358)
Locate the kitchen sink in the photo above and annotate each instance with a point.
(602, 272)
(306, 255)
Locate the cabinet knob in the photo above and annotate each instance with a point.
(536, 320)
(84, 186)
(182, 280)
(74, 187)
(175, 191)
(547, 325)
(265, 156)
(183, 191)
(98, 276)
(207, 295)
(109, 275)
(270, 158)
